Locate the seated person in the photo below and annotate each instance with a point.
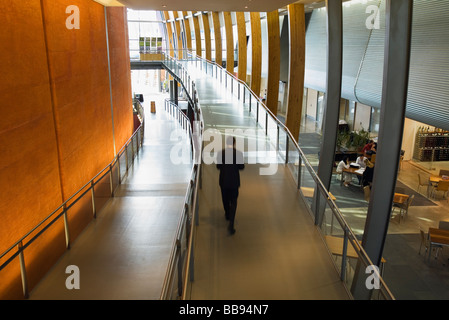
(368, 146)
(361, 161)
(346, 177)
(374, 147)
(362, 165)
(367, 177)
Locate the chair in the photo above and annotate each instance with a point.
(407, 205)
(367, 192)
(403, 208)
(443, 186)
(443, 225)
(423, 182)
(425, 241)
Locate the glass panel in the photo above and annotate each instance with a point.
(307, 184)
(272, 132)
(262, 115)
(282, 144)
(293, 159)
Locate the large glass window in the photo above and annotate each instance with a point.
(143, 27)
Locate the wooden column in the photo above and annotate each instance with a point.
(217, 33)
(206, 26)
(178, 33)
(274, 61)
(169, 33)
(229, 42)
(196, 25)
(241, 31)
(297, 32)
(256, 43)
(188, 32)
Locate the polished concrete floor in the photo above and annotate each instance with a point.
(123, 254)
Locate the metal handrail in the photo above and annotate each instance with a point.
(19, 244)
(319, 184)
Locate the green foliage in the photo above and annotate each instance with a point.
(352, 140)
(359, 139)
(343, 139)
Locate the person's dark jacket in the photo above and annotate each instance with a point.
(230, 162)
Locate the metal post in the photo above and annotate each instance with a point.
(333, 90)
(266, 123)
(94, 211)
(126, 158)
(344, 256)
(299, 172)
(66, 228)
(257, 111)
(398, 26)
(332, 101)
(23, 273)
(110, 180)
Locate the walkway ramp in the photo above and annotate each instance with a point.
(276, 252)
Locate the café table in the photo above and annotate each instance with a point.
(435, 179)
(400, 201)
(400, 198)
(437, 237)
(353, 171)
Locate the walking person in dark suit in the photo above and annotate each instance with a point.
(230, 162)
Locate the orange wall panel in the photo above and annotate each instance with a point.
(78, 65)
(29, 170)
(56, 122)
(120, 74)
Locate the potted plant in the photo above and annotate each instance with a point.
(342, 140)
(359, 139)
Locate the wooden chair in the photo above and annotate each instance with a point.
(423, 181)
(403, 209)
(425, 242)
(441, 186)
(407, 205)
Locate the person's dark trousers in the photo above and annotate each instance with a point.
(229, 197)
